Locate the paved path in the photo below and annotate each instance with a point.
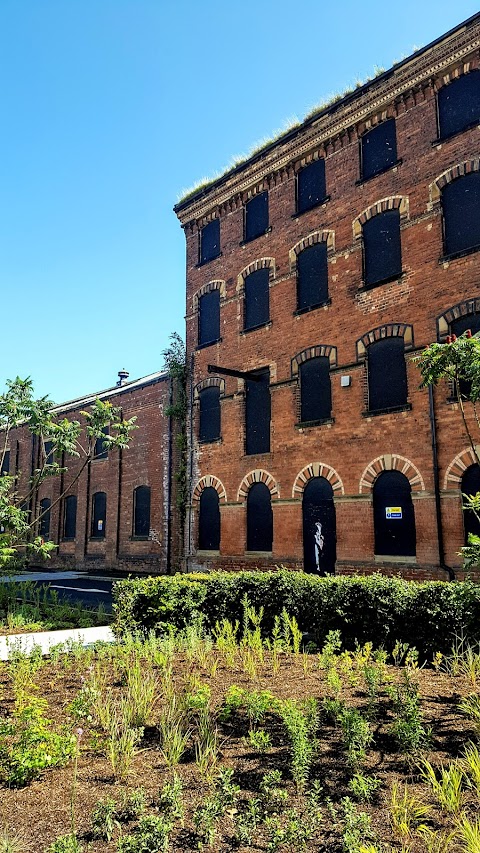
(46, 639)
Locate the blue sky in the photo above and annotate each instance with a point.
(109, 110)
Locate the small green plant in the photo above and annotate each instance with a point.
(152, 834)
(356, 826)
(300, 720)
(470, 706)
(247, 821)
(446, 785)
(206, 744)
(170, 800)
(65, 844)
(232, 702)
(273, 796)
(132, 805)
(468, 834)
(10, 842)
(207, 815)
(104, 821)
(259, 739)
(408, 727)
(174, 731)
(363, 787)
(357, 735)
(407, 812)
(121, 744)
(471, 766)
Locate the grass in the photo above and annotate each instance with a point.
(29, 607)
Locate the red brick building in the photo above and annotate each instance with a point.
(119, 514)
(316, 270)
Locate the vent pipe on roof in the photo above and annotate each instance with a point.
(122, 377)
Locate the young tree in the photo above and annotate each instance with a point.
(458, 361)
(20, 409)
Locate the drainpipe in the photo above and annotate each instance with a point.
(169, 484)
(119, 494)
(436, 482)
(192, 364)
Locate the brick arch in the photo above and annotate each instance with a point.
(259, 264)
(458, 466)
(455, 73)
(391, 462)
(218, 284)
(206, 482)
(211, 382)
(325, 236)
(461, 309)
(317, 469)
(314, 352)
(457, 171)
(257, 476)
(389, 330)
(392, 202)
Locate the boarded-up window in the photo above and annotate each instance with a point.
(5, 463)
(99, 513)
(378, 149)
(209, 318)
(257, 299)
(257, 413)
(393, 515)
(259, 518)
(101, 448)
(209, 520)
(256, 216)
(315, 389)
(44, 524)
(387, 374)
(210, 241)
(312, 276)
(141, 511)
(311, 188)
(49, 453)
(461, 214)
(471, 486)
(70, 517)
(459, 104)
(209, 428)
(382, 249)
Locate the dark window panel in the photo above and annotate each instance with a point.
(382, 247)
(44, 525)
(378, 149)
(459, 104)
(315, 389)
(312, 276)
(99, 512)
(257, 299)
(387, 374)
(141, 511)
(101, 449)
(49, 452)
(471, 486)
(259, 518)
(209, 318)
(210, 241)
(393, 515)
(461, 214)
(209, 521)
(70, 517)
(311, 189)
(256, 216)
(458, 327)
(5, 469)
(257, 414)
(319, 527)
(209, 429)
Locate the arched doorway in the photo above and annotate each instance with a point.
(470, 486)
(319, 527)
(393, 515)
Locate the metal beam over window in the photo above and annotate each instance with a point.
(240, 374)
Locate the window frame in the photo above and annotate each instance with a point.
(263, 272)
(204, 392)
(249, 204)
(318, 421)
(249, 384)
(202, 261)
(200, 546)
(98, 533)
(364, 178)
(320, 201)
(327, 301)
(44, 523)
(270, 530)
(100, 444)
(368, 285)
(385, 410)
(443, 137)
(458, 253)
(66, 538)
(147, 489)
(201, 344)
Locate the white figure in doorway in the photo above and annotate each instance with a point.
(319, 540)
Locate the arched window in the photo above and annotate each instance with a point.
(387, 374)
(44, 524)
(209, 242)
(256, 311)
(393, 515)
(99, 512)
(378, 149)
(70, 517)
(259, 518)
(461, 214)
(315, 389)
(319, 529)
(459, 104)
(209, 318)
(382, 248)
(141, 511)
(209, 427)
(311, 189)
(312, 277)
(209, 520)
(471, 486)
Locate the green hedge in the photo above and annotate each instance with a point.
(427, 615)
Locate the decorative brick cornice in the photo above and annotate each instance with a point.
(325, 236)
(391, 462)
(257, 476)
(259, 264)
(211, 382)
(317, 469)
(207, 288)
(461, 309)
(392, 202)
(389, 330)
(313, 352)
(209, 481)
(458, 466)
(457, 171)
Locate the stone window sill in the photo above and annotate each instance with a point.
(386, 558)
(320, 422)
(307, 209)
(462, 254)
(391, 411)
(266, 325)
(363, 181)
(397, 277)
(245, 242)
(209, 344)
(209, 261)
(308, 308)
